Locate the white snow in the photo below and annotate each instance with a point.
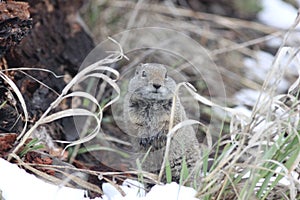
(258, 69)
(282, 15)
(247, 97)
(16, 184)
(277, 13)
(294, 177)
(243, 110)
(171, 191)
(135, 191)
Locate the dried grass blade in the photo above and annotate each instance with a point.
(21, 99)
(178, 126)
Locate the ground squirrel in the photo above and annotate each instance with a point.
(147, 109)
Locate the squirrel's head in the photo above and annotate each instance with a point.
(151, 81)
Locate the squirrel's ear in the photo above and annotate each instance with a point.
(138, 68)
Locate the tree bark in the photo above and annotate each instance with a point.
(15, 24)
(57, 41)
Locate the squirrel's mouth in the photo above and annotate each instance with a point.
(156, 96)
(152, 97)
(152, 94)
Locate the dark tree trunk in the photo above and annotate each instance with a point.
(57, 41)
(15, 24)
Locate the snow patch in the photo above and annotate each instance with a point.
(282, 15)
(247, 97)
(135, 191)
(243, 110)
(258, 69)
(171, 191)
(16, 184)
(277, 13)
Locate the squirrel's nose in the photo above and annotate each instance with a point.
(156, 86)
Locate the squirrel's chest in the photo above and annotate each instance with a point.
(146, 113)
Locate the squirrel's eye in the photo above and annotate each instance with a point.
(144, 74)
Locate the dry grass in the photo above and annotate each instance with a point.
(95, 70)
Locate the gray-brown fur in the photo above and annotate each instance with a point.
(147, 109)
